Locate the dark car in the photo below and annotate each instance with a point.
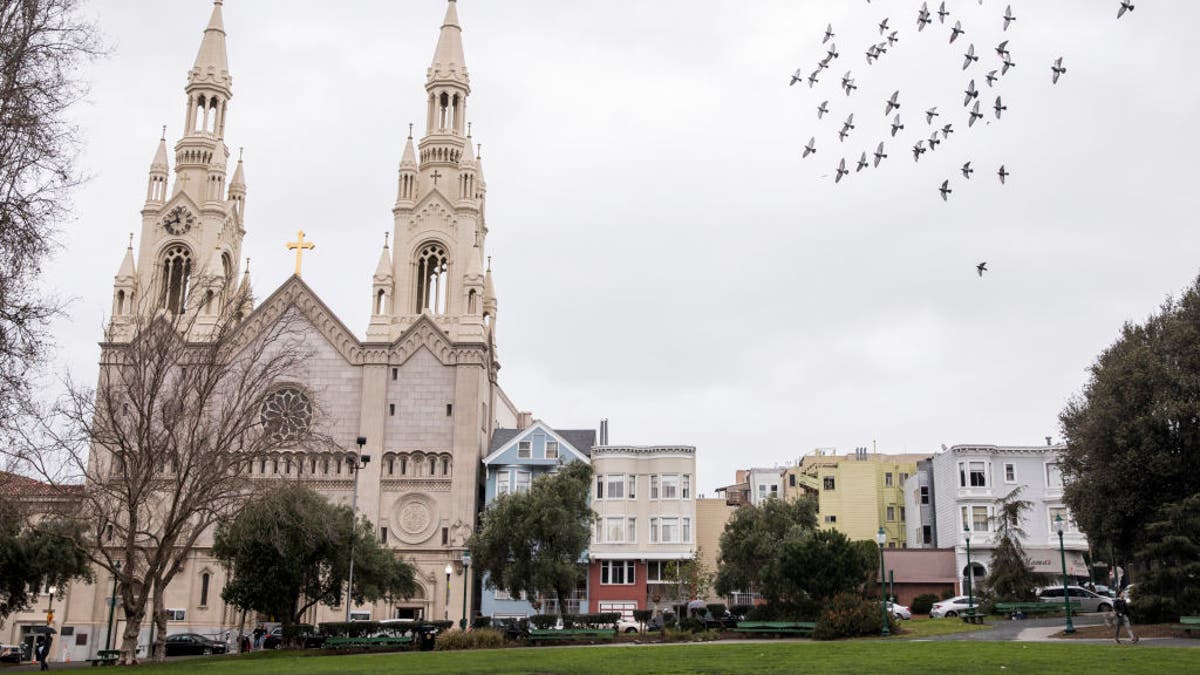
(306, 636)
(193, 644)
(726, 621)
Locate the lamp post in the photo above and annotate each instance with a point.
(881, 539)
(112, 605)
(466, 561)
(1062, 551)
(50, 605)
(449, 570)
(354, 464)
(970, 571)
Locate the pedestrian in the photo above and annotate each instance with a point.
(1121, 610)
(43, 652)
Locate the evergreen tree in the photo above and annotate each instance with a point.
(1170, 587)
(1011, 578)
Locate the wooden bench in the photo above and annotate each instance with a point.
(367, 642)
(776, 627)
(972, 616)
(106, 657)
(555, 634)
(1187, 624)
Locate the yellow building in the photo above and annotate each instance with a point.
(711, 517)
(857, 492)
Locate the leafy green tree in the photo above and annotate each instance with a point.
(1011, 578)
(823, 563)
(290, 550)
(1133, 435)
(530, 543)
(35, 555)
(752, 544)
(1170, 587)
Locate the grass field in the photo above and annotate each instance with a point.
(857, 656)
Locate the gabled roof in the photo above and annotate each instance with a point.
(576, 441)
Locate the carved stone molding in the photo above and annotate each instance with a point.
(415, 485)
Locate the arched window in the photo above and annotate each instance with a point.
(444, 111)
(120, 302)
(432, 275)
(445, 466)
(176, 273)
(379, 301)
(472, 302)
(204, 579)
(403, 465)
(432, 465)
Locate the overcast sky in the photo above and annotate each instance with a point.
(663, 257)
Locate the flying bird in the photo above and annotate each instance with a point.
(848, 83)
(810, 148)
(945, 189)
(999, 107)
(1008, 17)
(812, 78)
(828, 34)
(797, 76)
(933, 140)
(967, 171)
(943, 13)
(892, 103)
(971, 93)
(841, 171)
(918, 150)
(831, 53)
(1002, 49)
(1003, 174)
(846, 127)
(1007, 64)
(862, 162)
(1058, 69)
(947, 130)
(822, 109)
(969, 57)
(896, 125)
(879, 155)
(892, 39)
(930, 114)
(956, 31)
(923, 17)
(981, 268)
(872, 53)
(975, 114)
(1125, 7)
(991, 77)
(883, 26)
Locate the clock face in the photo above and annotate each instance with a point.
(178, 221)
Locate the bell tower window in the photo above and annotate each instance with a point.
(432, 277)
(176, 273)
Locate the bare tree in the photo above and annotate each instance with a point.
(166, 443)
(42, 43)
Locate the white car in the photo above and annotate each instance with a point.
(628, 626)
(899, 611)
(1083, 599)
(952, 607)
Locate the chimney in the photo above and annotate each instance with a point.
(604, 431)
(524, 420)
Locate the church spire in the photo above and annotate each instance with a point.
(156, 189)
(212, 62)
(448, 60)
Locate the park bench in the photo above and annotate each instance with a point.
(1012, 608)
(1187, 624)
(972, 616)
(367, 642)
(570, 634)
(776, 627)
(106, 657)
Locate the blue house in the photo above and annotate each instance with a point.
(515, 458)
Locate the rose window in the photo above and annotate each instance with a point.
(287, 414)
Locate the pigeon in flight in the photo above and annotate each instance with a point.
(933, 140)
(923, 17)
(862, 162)
(1058, 69)
(945, 189)
(797, 76)
(892, 39)
(892, 103)
(846, 127)
(848, 83)
(810, 148)
(812, 78)
(1125, 7)
(832, 52)
(1008, 17)
(883, 26)
(971, 93)
(967, 171)
(975, 114)
(918, 150)
(999, 107)
(930, 114)
(1003, 174)
(822, 109)
(956, 31)
(947, 130)
(991, 77)
(1007, 64)
(1002, 49)
(896, 125)
(943, 13)
(981, 268)
(969, 57)
(841, 171)
(822, 64)
(879, 155)
(872, 53)
(828, 34)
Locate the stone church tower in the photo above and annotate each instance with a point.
(421, 388)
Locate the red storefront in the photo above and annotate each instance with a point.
(617, 586)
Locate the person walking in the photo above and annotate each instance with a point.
(43, 652)
(1121, 610)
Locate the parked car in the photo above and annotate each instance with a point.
(951, 607)
(628, 626)
(1101, 589)
(1087, 600)
(307, 636)
(899, 611)
(193, 644)
(11, 653)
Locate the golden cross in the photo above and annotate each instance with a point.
(299, 246)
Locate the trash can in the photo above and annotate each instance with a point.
(426, 640)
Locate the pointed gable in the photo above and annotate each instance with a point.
(574, 444)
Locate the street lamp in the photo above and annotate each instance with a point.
(50, 606)
(112, 605)
(355, 465)
(970, 572)
(449, 571)
(1062, 551)
(466, 561)
(881, 539)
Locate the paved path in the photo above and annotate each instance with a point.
(1043, 630)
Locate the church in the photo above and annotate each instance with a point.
(418, 394)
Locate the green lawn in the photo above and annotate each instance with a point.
(857, 656)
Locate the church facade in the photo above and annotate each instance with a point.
(420, 389)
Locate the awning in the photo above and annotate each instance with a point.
(1049, 561)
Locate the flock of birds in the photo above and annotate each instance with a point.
(941, 133)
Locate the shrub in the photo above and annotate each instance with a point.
(606, 619)
(691, 624)
(642, 616)
(543, 621)
(481, 622)
(716, 609)
(947, 594)
(484, 638)
(440, 626)
(672, 635)
(923, 604)
(849, 615)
